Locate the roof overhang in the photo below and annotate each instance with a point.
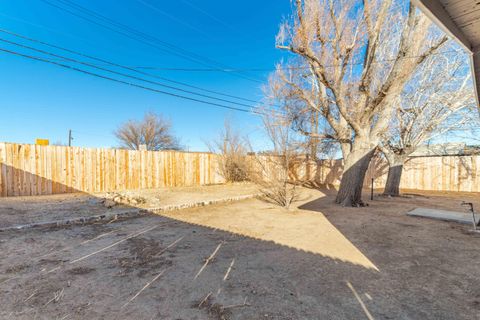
(460, 19)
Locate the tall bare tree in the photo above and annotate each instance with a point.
(153, 131)
(359, 55)
(438, 99)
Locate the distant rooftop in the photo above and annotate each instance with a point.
(446, 149)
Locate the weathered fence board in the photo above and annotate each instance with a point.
(447, 173)
(450, 173)
(40, 170)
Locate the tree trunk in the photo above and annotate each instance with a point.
(356, 165)
(395, 169)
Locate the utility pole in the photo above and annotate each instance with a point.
(70, 138)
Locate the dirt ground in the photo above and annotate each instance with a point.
(250, 260)
(173, 196)
(34, 209)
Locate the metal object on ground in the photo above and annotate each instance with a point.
(371, 196)
(474, 220)
(432, 213)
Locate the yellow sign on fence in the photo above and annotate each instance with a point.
(42, 142)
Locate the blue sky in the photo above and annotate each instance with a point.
(39, 100)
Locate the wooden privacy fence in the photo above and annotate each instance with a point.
(442, 173)
(40, 170)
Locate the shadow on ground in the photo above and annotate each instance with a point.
(246, 260)
(427, 267)
(246, 279)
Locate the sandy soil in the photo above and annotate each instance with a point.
(250, 260)
(24, 210)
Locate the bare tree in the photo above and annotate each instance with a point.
(438, 99)
(320, 140)
(359, 55)
(59, 143)
(153, 131)
(232, 151)
(273, 170)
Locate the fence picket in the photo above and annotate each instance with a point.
(37, 170)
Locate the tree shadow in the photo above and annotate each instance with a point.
(323, 258)
(53, 217)
(317, 174)
(326, 174)
(377, 170)
(386, 235)
(276, 279)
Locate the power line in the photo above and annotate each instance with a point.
(130, 29)
(211, 16)
(144, 38)
(121, 33)
(136, 68)
(123, 66)
(182, 53)
(172, 17)
(126, 82)
(122, 74)
(275, 113)
(148, 36)
(41, 26)
(281, 68)
(107, 62)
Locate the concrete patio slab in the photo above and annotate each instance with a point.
(460, 217)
